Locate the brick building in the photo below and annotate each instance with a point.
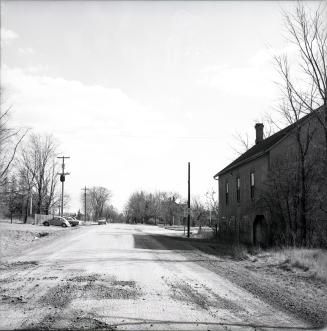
(243, 216)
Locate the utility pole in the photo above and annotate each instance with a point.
(62, 179)
(84, 189)
(189, 201)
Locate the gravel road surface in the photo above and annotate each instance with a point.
(121, 276)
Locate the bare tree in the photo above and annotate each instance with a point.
(150, 207)
(38, 169)
(50, 184)
(27, 167)
(199, 212)
(243, 141)
(135, 209)
(308, 31)
(99, 198)
(212, 205)
(110, 213)
(280, 196)
(300, 97)
(155, 205)
(170, 207)
(10, 138)
(56, 202)
(304, 132)
(12, 196)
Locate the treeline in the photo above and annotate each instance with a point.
(169, 208)
(98, 205)
(29, 180)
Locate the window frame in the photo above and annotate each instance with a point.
(238, 189)
(252, 185)
(226, 193)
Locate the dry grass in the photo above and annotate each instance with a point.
(205, 233)
(15, 237)
(311, 260)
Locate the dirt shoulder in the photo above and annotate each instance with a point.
(17, 237)
(296, 291)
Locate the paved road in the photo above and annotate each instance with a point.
(126, 277)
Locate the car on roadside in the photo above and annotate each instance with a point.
(102, 222)
(58, 221)
(72, 221)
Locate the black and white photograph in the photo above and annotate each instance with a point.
(163, 165)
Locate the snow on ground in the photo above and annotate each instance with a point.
(15, 237)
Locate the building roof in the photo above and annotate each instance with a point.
(261, 148)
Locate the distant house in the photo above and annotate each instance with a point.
(244, 215)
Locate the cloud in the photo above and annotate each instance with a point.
(26, 51)
(239, 81)
(255, 79)
(91, 122)
(56, 102)
(71, 107)
(37, 69)
(7, 36)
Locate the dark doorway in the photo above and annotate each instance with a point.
(259, 231)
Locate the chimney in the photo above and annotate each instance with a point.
(258, 133)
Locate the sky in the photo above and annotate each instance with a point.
(133, 91)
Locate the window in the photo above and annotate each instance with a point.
(238, 189)
(227, 193)
(252, 185)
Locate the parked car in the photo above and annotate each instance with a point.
(102, 222)
(72, 221)
(57, 220)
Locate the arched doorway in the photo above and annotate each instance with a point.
(259, 231)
